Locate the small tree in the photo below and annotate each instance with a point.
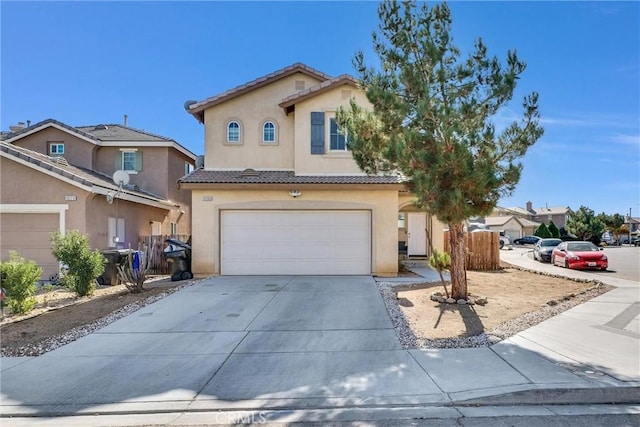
(84, 264)
(433, 120)
(542, 231)
(19, 279)
(584, 225)
(440, 261)
(553, 230)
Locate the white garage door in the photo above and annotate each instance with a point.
(295, 242)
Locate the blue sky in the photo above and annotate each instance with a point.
(87, 63)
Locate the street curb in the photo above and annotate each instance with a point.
(560, 396)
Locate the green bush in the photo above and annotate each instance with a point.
(553, 230)
(542, 231)
(19, 278)
(84, 265)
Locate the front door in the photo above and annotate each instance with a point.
(417, 234)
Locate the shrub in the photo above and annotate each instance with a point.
(441, 261)
(553, 230)
(19, 278)
(542, 231)
(84, 265)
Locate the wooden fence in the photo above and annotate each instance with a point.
(483, 250)
(159, 263)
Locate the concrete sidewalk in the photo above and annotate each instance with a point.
(304, 348)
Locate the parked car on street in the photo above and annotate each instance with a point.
(543, 248)
(579, 255)
(527, 240)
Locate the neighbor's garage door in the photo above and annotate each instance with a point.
(295, 242)
(29, 234)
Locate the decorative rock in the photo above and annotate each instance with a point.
(482, 301)
(462, 301)
(442, 300)
(434, 297)
(451, 301)
(552, 303)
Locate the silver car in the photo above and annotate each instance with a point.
(543, 248)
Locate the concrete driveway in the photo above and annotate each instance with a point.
(279, 341)
(269, 343)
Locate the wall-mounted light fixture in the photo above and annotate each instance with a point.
(295, 193)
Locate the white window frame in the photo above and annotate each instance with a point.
(188, 168)
(174, 228)
(57, 146)
(124, 152)
(274, 141)
(338, 134)
(228, 131)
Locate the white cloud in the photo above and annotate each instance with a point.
(620, 138)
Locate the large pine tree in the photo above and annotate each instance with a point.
(432, 120)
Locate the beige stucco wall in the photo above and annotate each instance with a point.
(161, 169)
(206, 220)
(332, 162)
(77, 151)
(88, 213)
(251, 110)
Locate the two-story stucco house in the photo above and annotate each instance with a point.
(58, 177)
(280, 192)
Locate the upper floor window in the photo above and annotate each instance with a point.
(337, 140)
(56, 149)
(129, 159)
(188, 168)
(269, 132)
(233, 132)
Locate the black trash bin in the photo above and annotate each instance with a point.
(179, 259)
(114, 258)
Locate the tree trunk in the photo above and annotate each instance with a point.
(458, 261)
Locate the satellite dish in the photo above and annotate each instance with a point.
(120, 178)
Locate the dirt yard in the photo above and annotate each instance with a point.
(59, 310)
(509, 292)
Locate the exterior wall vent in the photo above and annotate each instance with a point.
(300, 85)
(249, 172)
(60, 160)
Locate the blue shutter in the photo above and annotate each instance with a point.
(317, 133)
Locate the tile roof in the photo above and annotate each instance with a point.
(196, 108)
(59, 166)
(42, 123)
(250, 176)
(112, 133)
(116, 132)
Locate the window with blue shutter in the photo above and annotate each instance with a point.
(317, 132)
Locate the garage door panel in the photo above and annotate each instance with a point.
(29, 235)
(295, 242)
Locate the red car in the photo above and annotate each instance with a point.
(579, 255)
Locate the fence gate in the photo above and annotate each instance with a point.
(483, 250)
(159, 266)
